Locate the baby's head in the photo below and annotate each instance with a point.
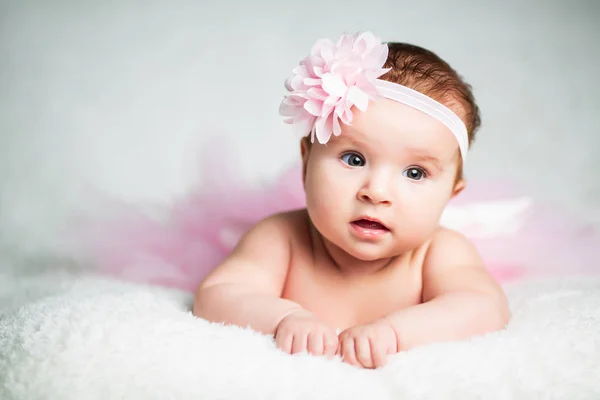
(391, 153)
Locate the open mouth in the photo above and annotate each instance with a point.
(368, 224)
(368, 227)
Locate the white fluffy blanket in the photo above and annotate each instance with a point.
(64, 336)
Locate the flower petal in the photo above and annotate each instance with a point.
(317, 93)
(367, 40)
(332, 79)
(300, 70)
(345, 42)
(327, 109)
(337, 129)
(345, 114)
(324, 129)
(358, 98)
(319, 44)
(360, 46)
(303, 126)
(314, 107)
(326, 53)
(287, 110)
(334, 85)
(296, 83)
(312, 64)
(312, 81)
(333, 100)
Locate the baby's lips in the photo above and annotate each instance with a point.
(370, 224)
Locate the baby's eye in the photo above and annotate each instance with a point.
(414, 173)
(353, 159)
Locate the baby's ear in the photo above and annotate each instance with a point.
(304, 152)
(459, 187)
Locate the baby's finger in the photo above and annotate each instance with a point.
(339, 351)
(284, 342)
(348, 354)
(299, 343)
(315, 343)
(377, 354)
(363, 351)
(330, 345)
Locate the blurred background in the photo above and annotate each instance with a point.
(117, 99)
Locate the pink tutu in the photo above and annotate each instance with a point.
(516, 237)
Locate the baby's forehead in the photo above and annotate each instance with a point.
(391, 146)
(388, 126)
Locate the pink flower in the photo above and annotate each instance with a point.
(333, 78)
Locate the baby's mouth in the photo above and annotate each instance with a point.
(369, 224)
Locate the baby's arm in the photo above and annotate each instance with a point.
(460, 299)
(246, 289)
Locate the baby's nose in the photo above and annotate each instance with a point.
(375, 191)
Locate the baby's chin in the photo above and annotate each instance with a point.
(370, 252)
(385, 249)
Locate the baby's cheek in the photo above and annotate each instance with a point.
(318, 194)
(418, 223)
(325, 188)
(319, 198)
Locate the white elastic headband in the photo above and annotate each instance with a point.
(429, 106)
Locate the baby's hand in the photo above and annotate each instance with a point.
(368, 345)
(302, 331)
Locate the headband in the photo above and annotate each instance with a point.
(334, 77)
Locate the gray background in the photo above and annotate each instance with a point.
(117, 98)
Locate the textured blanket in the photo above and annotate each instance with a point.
(67, 336)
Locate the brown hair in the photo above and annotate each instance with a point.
(422, 70)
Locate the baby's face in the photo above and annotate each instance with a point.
(395, 165)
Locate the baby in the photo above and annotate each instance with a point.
(367, 257)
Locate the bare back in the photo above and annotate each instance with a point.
(315, 284)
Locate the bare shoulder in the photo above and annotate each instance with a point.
(452, 263)
(451, 249)
(261, 258)
(276, 229)
(280, 231)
